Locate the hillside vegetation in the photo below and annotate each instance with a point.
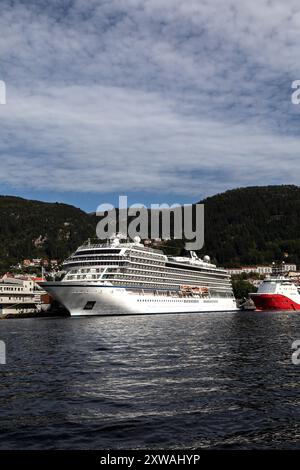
(32, 229)
(253, 225)
(242, 226)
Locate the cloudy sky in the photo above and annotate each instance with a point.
(163, 100)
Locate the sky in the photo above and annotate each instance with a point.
(161, 100)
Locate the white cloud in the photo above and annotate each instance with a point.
(178, 97)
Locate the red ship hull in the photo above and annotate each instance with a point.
(274, 302)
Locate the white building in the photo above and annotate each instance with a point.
(19, 295)
(260, 269)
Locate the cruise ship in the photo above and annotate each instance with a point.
(125, 277)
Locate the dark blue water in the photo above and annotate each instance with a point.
(211, 381)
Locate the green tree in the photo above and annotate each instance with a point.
(242, 288)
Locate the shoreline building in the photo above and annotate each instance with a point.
(261, 269)
(22, 295)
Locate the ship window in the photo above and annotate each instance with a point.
(89, 305)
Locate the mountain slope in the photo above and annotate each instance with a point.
(253, 225)
(39, 229)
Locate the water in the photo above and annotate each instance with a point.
(213, 381)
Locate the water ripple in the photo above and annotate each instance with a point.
(213, 381)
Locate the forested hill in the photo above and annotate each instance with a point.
(253, 225)
(38, 229)
(242, 226)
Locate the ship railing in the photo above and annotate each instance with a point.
(95, 244)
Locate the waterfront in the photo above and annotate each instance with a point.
(219, 380)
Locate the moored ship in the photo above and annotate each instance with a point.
(125, 277)
(277, 293)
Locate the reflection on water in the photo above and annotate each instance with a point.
(219, 380)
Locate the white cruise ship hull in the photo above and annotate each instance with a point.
(86, 300)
